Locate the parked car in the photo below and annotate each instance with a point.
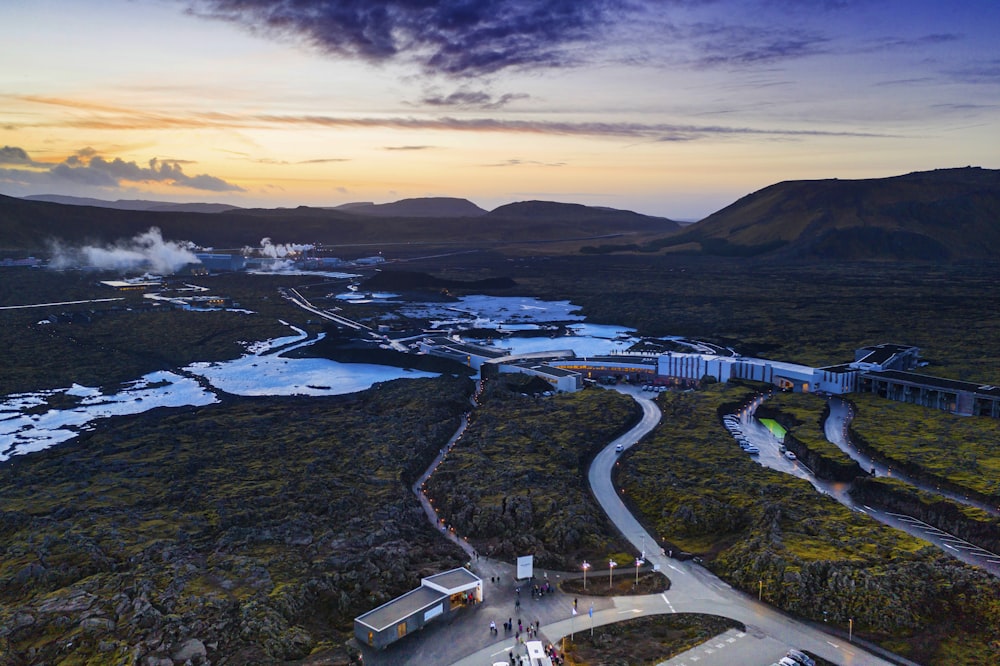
(790, 455)
(752, 450)
(801, 657)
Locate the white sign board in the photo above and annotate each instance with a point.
(434, 612)
(525, 566)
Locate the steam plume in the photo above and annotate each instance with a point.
(144, 252)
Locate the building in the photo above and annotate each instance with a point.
(438, 596)
(466, 353)
(218, 262)
(639, 368)
(132, 285)
(949, 395)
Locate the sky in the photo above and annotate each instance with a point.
(666, 107)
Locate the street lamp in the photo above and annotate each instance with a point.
(611, 571)
(586, 565)
(760, 590)
(638, 563)
(850, 630)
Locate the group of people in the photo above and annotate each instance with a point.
(550, 652)
(531, 630)
(539, 591)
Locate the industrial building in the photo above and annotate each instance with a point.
(218, 262)
(437, 597)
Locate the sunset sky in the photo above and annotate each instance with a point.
(667, 107)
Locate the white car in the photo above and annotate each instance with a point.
(789, 455)
(619, 448)
(752, 450)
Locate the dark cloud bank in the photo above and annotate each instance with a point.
(451, 37)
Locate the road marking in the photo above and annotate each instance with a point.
(667, 601)
(731, 639)
(833, 644)
(868, 507)
(948, 545)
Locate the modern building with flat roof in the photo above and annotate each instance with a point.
(950, 395)
(438, 596)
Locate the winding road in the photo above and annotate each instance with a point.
(693, 590)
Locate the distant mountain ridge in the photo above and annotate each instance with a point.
(30, 225)
(421, 207)
(133, 204)
(941, 215)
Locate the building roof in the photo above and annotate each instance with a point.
(400, 608)
(843, 368)
(935, 382)
(550, 370)
(883, 353)
(467, 348)
(450, 582)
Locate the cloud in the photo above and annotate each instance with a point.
(465, 98)
(516, 162)
(15, 155)
(986, 72)
(325, 160)
(144, 252)
(606, 129)
(727, 45)
(409, 148)
(86, 167)
(462, 38)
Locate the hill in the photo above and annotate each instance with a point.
(551, 210)
(133, 204)
(29, 225)
(425, 207)
(941, 215)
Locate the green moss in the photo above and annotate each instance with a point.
(811, 553)
(957, 449)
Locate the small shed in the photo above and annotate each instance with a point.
(438, 596)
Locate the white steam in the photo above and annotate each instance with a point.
(145, 252)
(280, 251)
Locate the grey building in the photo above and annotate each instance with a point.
(437, 597)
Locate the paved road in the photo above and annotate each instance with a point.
(837, 424)
(695, 590)
(836, 432)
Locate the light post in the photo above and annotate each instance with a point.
(760, 590)
(611, 571)
(850, 630)
(638, 563)
(586, 565)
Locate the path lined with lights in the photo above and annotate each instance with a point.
(420, 491)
